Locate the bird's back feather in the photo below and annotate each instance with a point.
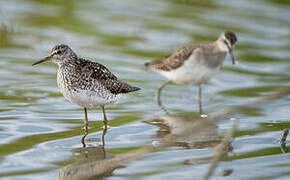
(174, 61)
(98, 72)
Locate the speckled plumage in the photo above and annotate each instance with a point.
(90, 84)
(83, 82)
(86, 83)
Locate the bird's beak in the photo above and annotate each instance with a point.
(42, 60)
(232, 55)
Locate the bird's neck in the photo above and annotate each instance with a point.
(214, 56)
(66, 62)
(220, 46)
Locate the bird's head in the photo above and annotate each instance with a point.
(227, 41)
(58, 55)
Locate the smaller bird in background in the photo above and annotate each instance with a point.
(194, 64)
(86, 83)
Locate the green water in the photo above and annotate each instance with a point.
(40, 131)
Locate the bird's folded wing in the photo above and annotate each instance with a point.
(104, 76)
(173, 61)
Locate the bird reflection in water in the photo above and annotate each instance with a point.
(205, 136)
(88, 163)
(283, 140)
(86, 133)
(175, 124)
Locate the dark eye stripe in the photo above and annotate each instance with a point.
(232, 39)
(226, 42)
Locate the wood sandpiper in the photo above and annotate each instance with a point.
(86, 83)
(195, 64)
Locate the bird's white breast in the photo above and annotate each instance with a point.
(193, 71)
(90, 99)
(87, 98)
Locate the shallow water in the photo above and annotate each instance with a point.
(40, 132)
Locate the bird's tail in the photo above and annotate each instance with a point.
(126, 88)
(133, 88)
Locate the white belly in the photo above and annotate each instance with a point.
(90, 99)
(99, 96)
(192, 72)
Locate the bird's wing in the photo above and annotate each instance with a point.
(104, 76)
(173, 61)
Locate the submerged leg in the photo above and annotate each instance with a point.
(85, 128)
(199, 100)
(105, 121)
(103, 141)
(105, 117)
(159, 93)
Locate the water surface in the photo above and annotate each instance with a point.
(40, 131)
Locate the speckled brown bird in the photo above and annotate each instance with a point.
(195, 64)
(86, 83)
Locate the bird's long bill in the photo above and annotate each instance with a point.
(42, 60)
(232, 56)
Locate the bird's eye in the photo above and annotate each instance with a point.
(58, 52)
